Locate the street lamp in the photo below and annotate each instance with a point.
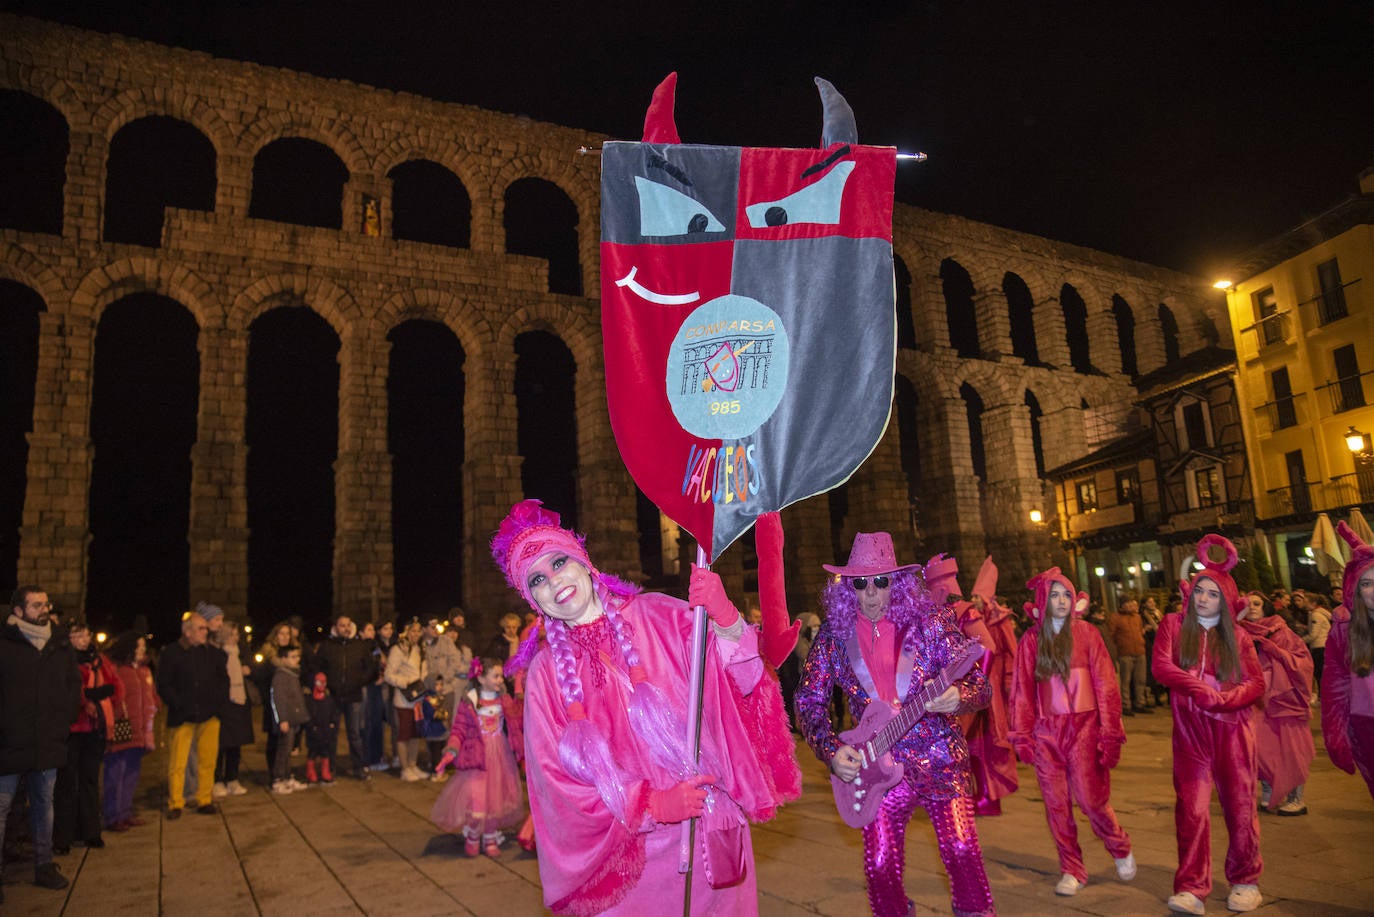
(1357, 441)
(1036, 517)
(1354, 440)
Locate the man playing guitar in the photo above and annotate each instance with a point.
(884, 639)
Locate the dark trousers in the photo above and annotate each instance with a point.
(374, 725)
(352, 713)
(227, 764)
(76, 797)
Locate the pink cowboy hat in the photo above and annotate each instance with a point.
(872, 554)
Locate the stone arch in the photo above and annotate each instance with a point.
(1170, 331)
(580, 335)
(470, 169)
(152, 163)
(961, 309)
(1124, 316)
(43, 86)
(465, 320)
(36, 149)
(327, 131)
(429, 203)
(104, 285)
(332, 302)
(22, 266)
(535, 223)
(172, 101)
(580, 188)
(1020, 302)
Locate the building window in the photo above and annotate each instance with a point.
(1194, 424)
(1285, 413)
(1087, 496)
(1266, 307)
(1127, 487)
(1208, 483)
(1348, 392)
(1331, 303)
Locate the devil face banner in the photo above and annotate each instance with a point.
(748, 317)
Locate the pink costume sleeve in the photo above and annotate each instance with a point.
(740, 658)
(588, 860)
(1170, 674)
(1023, 698)
(1106, 688)
(1335, 694)
(1251, 686)
(1289, 688)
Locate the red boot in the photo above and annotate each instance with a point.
(311, 776)
(326, 775)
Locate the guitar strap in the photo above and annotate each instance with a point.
(906, 663)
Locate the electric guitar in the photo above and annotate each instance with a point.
(880, 728)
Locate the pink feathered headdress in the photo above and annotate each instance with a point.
(530, 531)
(1217, 572)
(1040, 585)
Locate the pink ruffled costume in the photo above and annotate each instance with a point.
(1283, 740)
(590, 861)
(1213, 740)
(1347, 698)
(1071, 732)
(992, 761)
(484, 795)
(934, 752)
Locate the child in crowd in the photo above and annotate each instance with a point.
(287, 704)
(484, 744)
(1347, 689)
(1213, 679)
(431, 723)
(321, 732)
(1066, 721)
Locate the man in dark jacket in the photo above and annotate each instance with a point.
(349, 667)
(193, 682)
(40, 696)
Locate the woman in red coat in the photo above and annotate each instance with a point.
(1066, 721)
(76, 795)
(1347, 689)
(124, 760)
(1283, 740)
(1213, 679)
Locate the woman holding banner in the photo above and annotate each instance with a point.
(610, 778)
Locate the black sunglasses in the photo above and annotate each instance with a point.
(860, 583)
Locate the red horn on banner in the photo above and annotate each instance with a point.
(659, 124)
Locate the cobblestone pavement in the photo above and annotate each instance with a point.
(369, 848)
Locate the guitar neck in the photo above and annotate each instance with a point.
(911, 713)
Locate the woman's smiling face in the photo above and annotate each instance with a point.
(562, 588)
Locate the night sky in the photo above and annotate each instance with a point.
(1179, 134)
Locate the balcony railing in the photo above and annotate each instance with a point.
(1272, 329)
(1283, 413)
(1347, 393)
(1330, 305)
(1340, 492)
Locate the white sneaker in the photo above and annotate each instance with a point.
(282, 788)
(219, 791)
(236, 789)
(1244, 898)
(411, 774)
(1068, 886)
(296, 785)
(1125, 867)
(1186, 903)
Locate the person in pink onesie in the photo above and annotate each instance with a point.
(610, 778)
(1213, 678)
(1283, 741)
(992, 761)
(1347, 689)
(1066, 722)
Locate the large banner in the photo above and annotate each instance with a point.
(748, 317)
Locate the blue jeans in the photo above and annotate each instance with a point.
(40, 785)
(374, 724)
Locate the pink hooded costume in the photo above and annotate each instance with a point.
(604, 735)
(1283, 740)
(1070, 730)
(992, 761)
(1213, 739)
(1347, 697)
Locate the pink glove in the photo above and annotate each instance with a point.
(448, 760)
(705, 588)
(1025, 751)
(776, 639)
(1109, 754)
(680, 802)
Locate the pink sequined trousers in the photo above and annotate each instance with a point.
(957, 836)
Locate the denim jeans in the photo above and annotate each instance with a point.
(374, 724)
(40, 785)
